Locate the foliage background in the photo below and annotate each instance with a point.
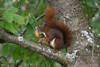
(16, 15)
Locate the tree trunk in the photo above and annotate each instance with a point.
(70, 12)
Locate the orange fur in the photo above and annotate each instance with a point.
(56, 31)
(52, 22)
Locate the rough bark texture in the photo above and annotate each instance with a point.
(70, 12)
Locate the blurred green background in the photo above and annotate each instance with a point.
(16, 15)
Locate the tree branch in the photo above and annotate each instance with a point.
(45, 51)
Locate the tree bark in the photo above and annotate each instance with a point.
(70, 12)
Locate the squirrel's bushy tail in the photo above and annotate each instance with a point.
(54, 23)
(49, 13)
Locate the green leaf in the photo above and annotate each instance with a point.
(2, 23)
(19, 19)
(4, 65)
(63, 50)
(9, 14)
(8, 26)
(40, 8)
(12, 10)
(7, 49)
(8, 17)
(18, 53)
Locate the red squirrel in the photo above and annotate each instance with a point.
(57, 34)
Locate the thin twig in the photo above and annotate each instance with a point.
(39, 17)
(24, 30)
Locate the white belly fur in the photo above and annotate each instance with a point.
(52, 43)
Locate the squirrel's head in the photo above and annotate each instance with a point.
(38, 30)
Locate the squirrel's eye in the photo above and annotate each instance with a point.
(42, 35)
